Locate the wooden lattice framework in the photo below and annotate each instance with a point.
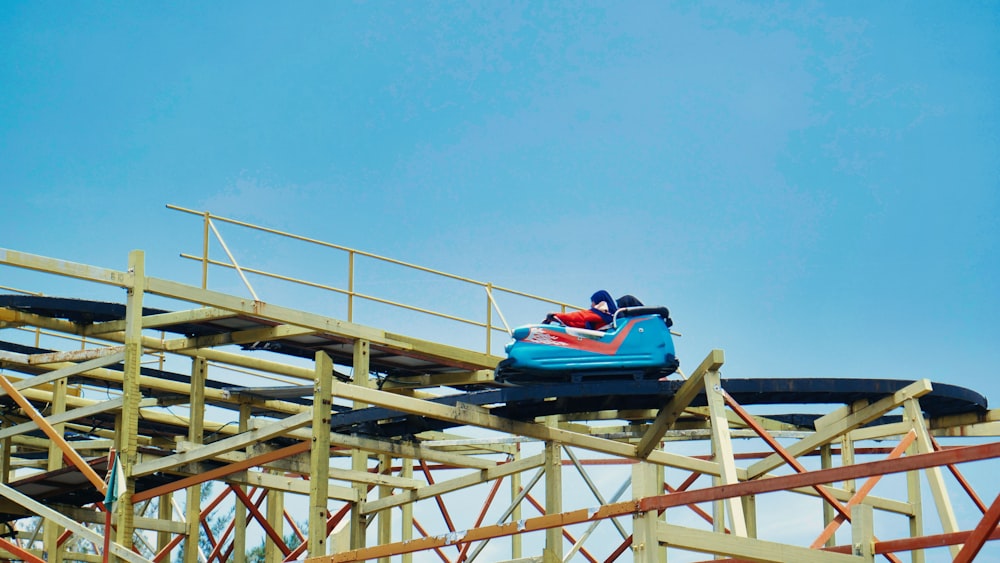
(529, 486)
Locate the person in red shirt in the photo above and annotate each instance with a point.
(601, 312)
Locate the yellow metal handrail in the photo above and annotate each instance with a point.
(350, 292)
(339, 290)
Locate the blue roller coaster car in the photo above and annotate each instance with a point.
(636, 346)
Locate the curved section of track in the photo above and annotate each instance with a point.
(514, 402)
(527, 402)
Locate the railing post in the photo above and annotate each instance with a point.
(210, 227)
(204, 251)
(489, 316)
(350, 286)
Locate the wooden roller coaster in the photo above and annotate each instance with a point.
(182, 423)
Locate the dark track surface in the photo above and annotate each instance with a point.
(527, 402)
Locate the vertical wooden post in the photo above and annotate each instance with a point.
(165, 512)
(240, 513)
(826, 462)
(723, 449)
(847, 456)
(934, 478)
(319, 455)
(196, 431)
(5, 463)
(915, 498)
(646, 481)
(516, 545)
(131, 394)
(750, 513)
(718, 506)
(50, 536)
(407, 517)
(276, 519)
(863, 531)
(553, 551)
(8, 444)
(384, 516)
(359, 458)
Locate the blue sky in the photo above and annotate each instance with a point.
(810, 186)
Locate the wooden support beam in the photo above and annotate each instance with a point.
(722, 447)
(71, 415)
(830, 429)
(676, 405)
(474, 377)
(682, 498)
(398, 449)
(196, 430)
(266, 432)
(935, 479)
(729, 545)
(51, 532)
(983, 531)
(384, 517)
(319, 458)
(406, 520)
(239, 511)
(66, 522)
(960, 454)
(359, 458)
(64, 268)
(53, 435)
(162, 320)
(862, 532)
(296, 464)
(165, 512)
(90, 358)
(151, 343)
(273, 523)
(553, 550)
(473, 415)
(221, 472)
(914, 497)
(160, 385)
(645, 544)
(430, 491)
(18, 551)
(93, 516)
(262, 334)
(276, 481)
(831, 527)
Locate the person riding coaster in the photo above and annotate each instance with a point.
(635, 343)
(600, 314)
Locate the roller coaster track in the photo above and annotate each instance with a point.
(424, 409)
